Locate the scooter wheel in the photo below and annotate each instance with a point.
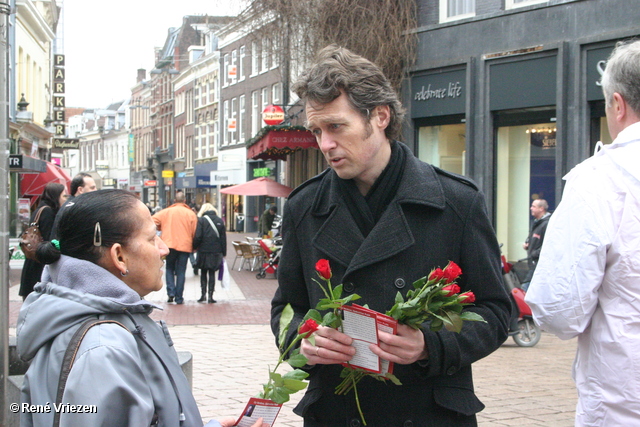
(529, 334)
(261, 275)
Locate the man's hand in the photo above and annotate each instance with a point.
(405, 348)
(331, 347)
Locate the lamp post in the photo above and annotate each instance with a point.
(5, 9)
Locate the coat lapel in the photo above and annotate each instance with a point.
(339, 235)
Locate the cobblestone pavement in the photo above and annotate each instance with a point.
(232, 348)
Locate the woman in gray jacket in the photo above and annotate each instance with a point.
(127, 373)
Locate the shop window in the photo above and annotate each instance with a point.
(525, 165)
(443, 146)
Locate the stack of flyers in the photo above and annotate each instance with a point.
(362, 324)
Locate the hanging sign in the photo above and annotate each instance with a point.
(273, 115)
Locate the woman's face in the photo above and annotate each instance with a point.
(143, 255)
(63, 197)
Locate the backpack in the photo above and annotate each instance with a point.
(31, 238)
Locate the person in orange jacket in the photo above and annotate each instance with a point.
(177, 225)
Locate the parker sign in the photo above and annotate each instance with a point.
(273, 115)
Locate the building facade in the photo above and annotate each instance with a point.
(507, 92)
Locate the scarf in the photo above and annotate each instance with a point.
(367, 210)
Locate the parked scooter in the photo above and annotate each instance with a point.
(522, 327)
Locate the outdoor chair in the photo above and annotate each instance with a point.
(239, 253)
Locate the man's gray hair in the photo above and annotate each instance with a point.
(338, 70)
(622, 74)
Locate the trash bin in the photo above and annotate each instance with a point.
(240, 223)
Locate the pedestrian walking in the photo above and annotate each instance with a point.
(587, 283)
(211, 243)
(384, 219)
(177, 226)
(53, 196)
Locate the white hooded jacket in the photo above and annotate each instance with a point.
(587, 283)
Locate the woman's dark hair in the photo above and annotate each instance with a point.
(51, 195)
(77, 231)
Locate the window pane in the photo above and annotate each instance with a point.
(443, 146)
(526, 162)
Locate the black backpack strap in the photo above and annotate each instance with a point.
(70, 357)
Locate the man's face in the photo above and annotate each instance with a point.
(89, 185)
(536, 210)
(356, 148)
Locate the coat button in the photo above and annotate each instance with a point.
(349, 287)
(408, 423)
(399, 283)
(452, 370)
(354, 423)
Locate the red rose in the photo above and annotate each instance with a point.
(323, 269)
(450, 290)
(437, 275)
(308, 328)
(466, 298)
(452, 271)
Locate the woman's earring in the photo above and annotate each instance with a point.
(125, 273)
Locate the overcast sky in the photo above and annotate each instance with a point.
(105, 44)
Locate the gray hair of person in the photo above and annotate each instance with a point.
(337, 70)
(78, 181)
(91, 223)
(622, 74)
(543, 204)
(180, 197)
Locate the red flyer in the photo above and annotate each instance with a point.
(259, 408)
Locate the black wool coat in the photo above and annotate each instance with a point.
(435, 217)
(207, 243)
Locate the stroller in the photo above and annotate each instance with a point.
(270, 263)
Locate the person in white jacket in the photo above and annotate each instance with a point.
(587, 283)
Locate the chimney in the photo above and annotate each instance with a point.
(142, 74)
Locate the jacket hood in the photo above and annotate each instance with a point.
(70, 291)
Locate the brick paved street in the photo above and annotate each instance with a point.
(233, 347)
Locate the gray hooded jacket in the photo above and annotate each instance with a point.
(126, 379)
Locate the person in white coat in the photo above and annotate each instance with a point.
(587, 283)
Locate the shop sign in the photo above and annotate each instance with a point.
(150, 183)
(167, 174)
(203, 181)
(259, 172)
(438, 94)
(596, 62)
(66, 143)
(273, 115)
(227, 177)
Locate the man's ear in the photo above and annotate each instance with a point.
(619, 107)
(382, 116)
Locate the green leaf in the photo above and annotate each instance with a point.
(276, 378)
(420, 282)
(279, 395)
(350, 298)
(453, 321)
(436, 325)
(330, 319)
(297, 361)
(472, 316)
(399, 298)
(392, 378)
(294, 385)
(337, 292)
(296, 374)
(313, 314)
(285, 320)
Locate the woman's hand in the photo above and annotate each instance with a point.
(230, 422)
(331, 347)
(404, 348)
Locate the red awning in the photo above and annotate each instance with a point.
(259, 187)
(33, 184)
(277, 144)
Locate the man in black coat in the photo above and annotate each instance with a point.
(384, 219)
(534, 241)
